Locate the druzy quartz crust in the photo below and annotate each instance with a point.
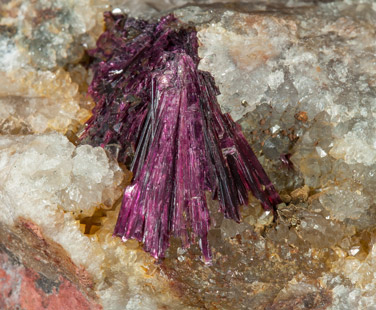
(158, 113)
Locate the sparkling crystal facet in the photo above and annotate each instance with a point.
(162, 114)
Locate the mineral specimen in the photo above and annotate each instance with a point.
(152, 99)
(311, 96)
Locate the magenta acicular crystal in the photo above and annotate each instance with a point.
(162, 112)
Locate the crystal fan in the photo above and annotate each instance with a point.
(161, 111)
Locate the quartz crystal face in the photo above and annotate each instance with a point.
(161, 114)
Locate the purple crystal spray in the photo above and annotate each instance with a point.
(162, 112)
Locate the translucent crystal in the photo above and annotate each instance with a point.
(51, 33)
(42, 187)
(38, 101)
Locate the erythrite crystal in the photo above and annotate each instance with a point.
(162, 115)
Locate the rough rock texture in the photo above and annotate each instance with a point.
(302, 86)
(21, 287)
(41, 44)
(300, 79)
(57, 219)
(35, 101)
(49, 34)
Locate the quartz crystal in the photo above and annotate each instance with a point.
(63, 186)
(41, 43)
(40, 101)
(52, 33)
(50, 166)
(153, 101)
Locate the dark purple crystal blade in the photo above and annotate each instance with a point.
(162, 112)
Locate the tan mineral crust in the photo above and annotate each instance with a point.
(298, 76)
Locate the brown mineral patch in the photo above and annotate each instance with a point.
(302, 116)
(41, 16)
(320, 300)
(250, 274)
(300, 194)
